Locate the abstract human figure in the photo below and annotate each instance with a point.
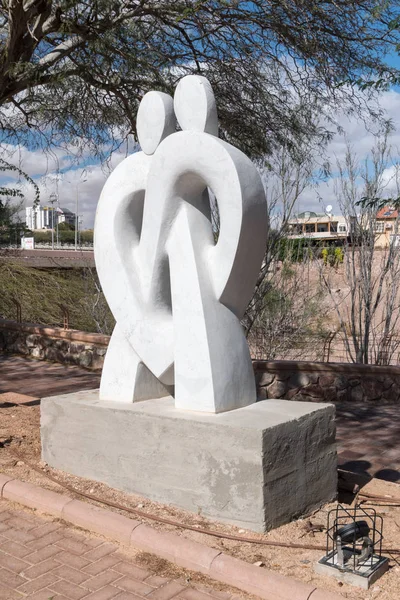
(176, 295)
(125, 378)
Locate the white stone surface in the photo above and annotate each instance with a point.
(155, 120)
(177, 296)
(195, 106)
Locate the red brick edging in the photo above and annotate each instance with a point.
(176, 549)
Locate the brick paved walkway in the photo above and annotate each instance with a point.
(39, 378)
(369, 440)
(42, 559)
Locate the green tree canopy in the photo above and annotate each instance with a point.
(73, 71)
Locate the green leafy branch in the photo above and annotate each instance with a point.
(378, 203)
(16, 192)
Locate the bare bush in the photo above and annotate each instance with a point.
(369, 310)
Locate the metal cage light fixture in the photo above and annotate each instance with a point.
(354, 546)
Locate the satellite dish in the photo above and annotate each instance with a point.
(329, 208)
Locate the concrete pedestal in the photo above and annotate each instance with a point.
(365, 575)
(257, 467)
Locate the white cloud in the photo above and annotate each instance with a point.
(35, 163)
(360, 136)
(85, 181)
(46, 167)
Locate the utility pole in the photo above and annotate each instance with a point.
(76, 212)
(52, 228)
(76, 217)
(80, 229)
(76, 207)
(58, 216)
(52, 199)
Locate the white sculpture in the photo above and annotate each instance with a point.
(176, 295)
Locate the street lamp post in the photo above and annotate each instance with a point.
(58, 217)
(52, 199)
(80, 229)
(52, 227)
(76, 208)
(76, 213)
(76, 217)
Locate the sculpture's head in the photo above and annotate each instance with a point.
(155, 120)
(193, 106)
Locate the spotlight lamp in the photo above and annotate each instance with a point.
(354, 546)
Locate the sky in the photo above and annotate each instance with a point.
(56, 173)
(360, 136)
(86, 181)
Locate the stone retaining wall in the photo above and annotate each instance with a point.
(289, 380)
(53, 344)
(327, 382)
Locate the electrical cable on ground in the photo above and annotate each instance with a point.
(173, 522)
(375, 499)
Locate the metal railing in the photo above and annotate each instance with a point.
(331, 346)
(16, 314)
(18, 307)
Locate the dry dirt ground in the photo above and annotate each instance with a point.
(330, 289)
(19, 432)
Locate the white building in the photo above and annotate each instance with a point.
(46, 217)
(39, 217)
(322, 226)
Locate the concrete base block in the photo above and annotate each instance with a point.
(257, 467)
(364, 577)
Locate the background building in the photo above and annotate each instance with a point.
(387, 227)
(45, 217)
(38, 217)
(318, 226)
(66, 216)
